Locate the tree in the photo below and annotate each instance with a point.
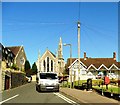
(34, 68)
(27, 66)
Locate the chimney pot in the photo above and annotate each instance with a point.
(114, 55)
(85, 56)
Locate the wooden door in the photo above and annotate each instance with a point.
(7, 82)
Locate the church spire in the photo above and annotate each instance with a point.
(60, 52)
(38, 53)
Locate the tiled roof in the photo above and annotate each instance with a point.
(97, 62)
(118, 64)
(14, 49)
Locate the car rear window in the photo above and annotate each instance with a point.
(48, 76)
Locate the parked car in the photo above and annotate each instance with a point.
(99, 76)
(29, 78)
(47, 81)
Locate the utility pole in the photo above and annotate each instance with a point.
(78, 24)
(78, 39)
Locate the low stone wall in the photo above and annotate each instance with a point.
(17, 79)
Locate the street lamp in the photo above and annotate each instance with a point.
(70, 62)
(70, 48)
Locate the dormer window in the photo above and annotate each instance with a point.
(6, 52)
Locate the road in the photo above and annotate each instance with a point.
(28, 94)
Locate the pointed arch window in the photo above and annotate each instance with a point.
(44, 64)
(51, 65)
(47, 64)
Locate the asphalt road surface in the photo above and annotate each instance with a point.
(28, 94)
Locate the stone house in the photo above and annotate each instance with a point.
(20, 56)
(10, 56)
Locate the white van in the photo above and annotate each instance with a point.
(47, 81)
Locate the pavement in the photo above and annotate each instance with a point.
(87, 96)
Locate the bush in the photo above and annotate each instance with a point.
(14, 66)
(114, 81)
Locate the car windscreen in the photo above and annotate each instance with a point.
(48, 76)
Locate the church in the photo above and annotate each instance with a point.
(50, 62)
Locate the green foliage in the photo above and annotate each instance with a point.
(65, 72)
(114, 81)
(94, 82)
(27, 66)
(15, 67)
(34, 68)
(111, 88)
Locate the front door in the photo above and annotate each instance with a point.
(7, 82)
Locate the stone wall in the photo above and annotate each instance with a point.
(17, 79)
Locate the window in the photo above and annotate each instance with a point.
(22, 60)
(44, 64)
(48, 76)
(47, 64)
(51, 65)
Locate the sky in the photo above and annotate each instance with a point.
(39, 25)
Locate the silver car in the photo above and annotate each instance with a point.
(47, 81)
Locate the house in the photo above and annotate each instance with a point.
(50, 62)
(81, 68)
(6, 55)
(9, 56)
(20, 56)
(7, 60)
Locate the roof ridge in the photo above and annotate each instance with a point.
(92, 58)
(13, 46)
(52, 53)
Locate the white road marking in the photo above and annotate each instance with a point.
(66, 99)
(9, 99)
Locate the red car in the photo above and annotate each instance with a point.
(99, 76)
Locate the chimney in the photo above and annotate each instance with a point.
(85, 56)
(114, 55)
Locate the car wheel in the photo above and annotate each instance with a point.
(36, 88)
(39, 89)
(58, 90)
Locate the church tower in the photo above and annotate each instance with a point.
(61, 63)
(60, 53)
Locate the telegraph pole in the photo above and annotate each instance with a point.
(78, 39)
